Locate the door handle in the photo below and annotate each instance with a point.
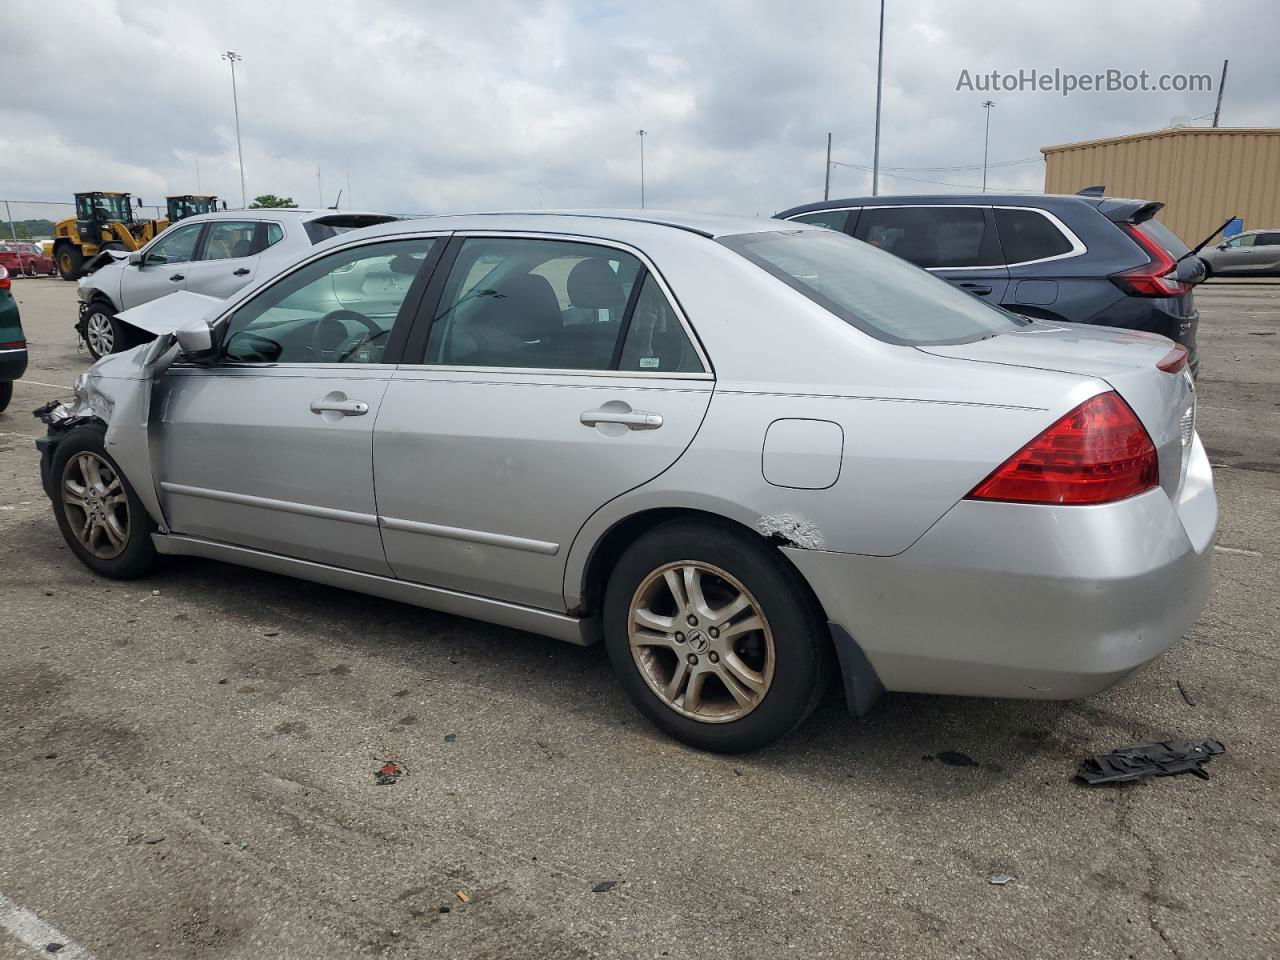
(242, 272)
(176, 277)
(346, 408)
(981, 289)
(632, 420)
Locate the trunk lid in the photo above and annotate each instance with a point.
(1124, 359)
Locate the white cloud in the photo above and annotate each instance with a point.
(449, 107)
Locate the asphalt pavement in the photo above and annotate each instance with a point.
(187, 765)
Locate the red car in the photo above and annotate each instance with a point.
(26, 259)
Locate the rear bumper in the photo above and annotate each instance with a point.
(13, 363)
(1010, 600)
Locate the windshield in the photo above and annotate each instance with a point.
(104, 206)
(875, 291)
(1163, 236)
(332, 226)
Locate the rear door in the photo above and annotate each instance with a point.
(551, 375)
(1265, 254)
(958, 243)
(228, 257)
(163, 269)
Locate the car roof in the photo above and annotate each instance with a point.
(710, 225)
(1046, 201)
(295, 213)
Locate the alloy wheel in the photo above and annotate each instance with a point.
(99, 333)
(96, 507)
(701, 641)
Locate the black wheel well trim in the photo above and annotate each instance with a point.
(862, 686)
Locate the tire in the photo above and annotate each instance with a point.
(787, 658)
(105, 333)
(30, 269)
(6, 394)
(69, 261)
(1208, 270)
(118, 542)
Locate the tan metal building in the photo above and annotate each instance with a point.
(1203, 174)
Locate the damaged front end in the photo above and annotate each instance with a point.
(115, 393)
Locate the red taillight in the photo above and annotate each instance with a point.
(1174, 361)
(1097, 453)
(13, 345)
(1155, 279)
(5, 282)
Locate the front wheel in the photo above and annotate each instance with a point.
(29, 269)
(98, 512)
(105, 333)
(714, 637)
(6, 394)
(69, 261)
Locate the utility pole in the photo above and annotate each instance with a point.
(197, 174)
(986, 139)
(826, 183)
(231, 57)
(875, 163)
(1221, 83)
(642, 134)
(348, 183)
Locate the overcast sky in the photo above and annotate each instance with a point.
(450, 106)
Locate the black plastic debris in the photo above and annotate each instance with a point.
(1164, 759)
(604, 886)
(388, 774)
(954, 758)
(53, 947)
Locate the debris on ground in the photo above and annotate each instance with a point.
(463, 896)
(53, 947)
(388, 774)
(271, 633)
(450, 737)
(604, 886)
(1000, 879)
(1164, 759)
(954, 758)
(151, 839)
(1185, 695)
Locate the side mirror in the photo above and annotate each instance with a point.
(196, 340)
(135, 258)
(1222, 245)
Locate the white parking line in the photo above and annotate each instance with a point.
(37, 934)
(41, 383)
(1240, 550)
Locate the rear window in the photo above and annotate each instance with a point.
(1027, 235)
(1162, 235)
(326, 228)
(878, 293)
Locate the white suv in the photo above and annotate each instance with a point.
(214, 254)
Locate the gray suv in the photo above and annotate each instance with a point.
(1083, 259)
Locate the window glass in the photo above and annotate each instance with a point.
(1242, 240)
(275, 233)
(880, 294)
(1267, 239)
(1029, 235)
(656, 339)
(831, 219)
(229, 239)
(1166, 238)
(928, 236)
(176, 245)
(540, 304)
(339, 309)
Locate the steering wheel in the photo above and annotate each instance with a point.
(330, 332)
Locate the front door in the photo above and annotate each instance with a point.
(556, 376)
(272, 447)
(957, 243)
(163, 269)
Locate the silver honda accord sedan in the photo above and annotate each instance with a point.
(746, 454)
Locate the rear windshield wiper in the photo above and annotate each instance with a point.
(1205, 242)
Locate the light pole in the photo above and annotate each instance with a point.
(231, 57)
(642, 134)
(875, 162)
(986, 139)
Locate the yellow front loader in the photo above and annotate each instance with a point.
(104, 221)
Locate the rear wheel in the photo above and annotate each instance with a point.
(30, 268)
(69, 262)
(714, 637)
(98, 512)
(6, 394)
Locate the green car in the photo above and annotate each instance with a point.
(13, 345)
